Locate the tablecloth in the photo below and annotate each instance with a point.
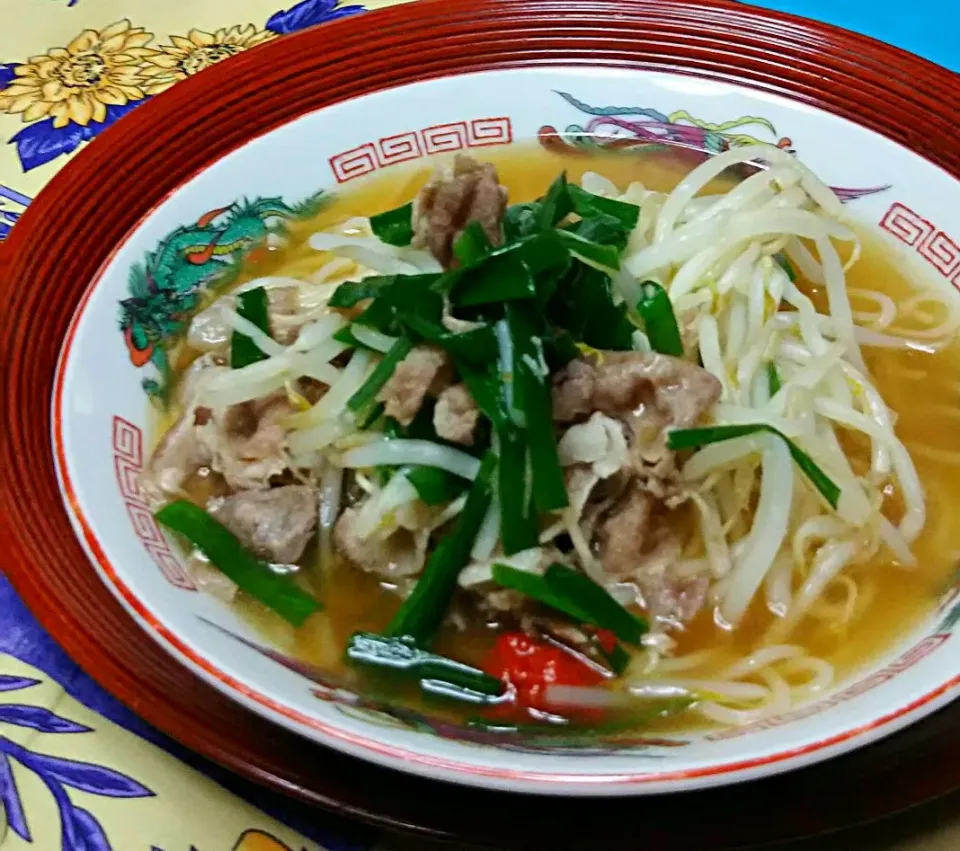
(77, 769)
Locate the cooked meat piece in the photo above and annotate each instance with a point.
(179, 454)
(672, 601)
(425, 370)
(618, 383)
(678, 390)
(398, 555)
(249, 446)
(622, 534)
(181, 451)
(455, 416)
(459, 194)
(274, 524)
(573, 390)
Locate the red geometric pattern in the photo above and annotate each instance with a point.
(413, 144)
(914, 655)
(932, 244)
(128, 464)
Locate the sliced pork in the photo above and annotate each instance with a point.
(464, 192)
(274, 524)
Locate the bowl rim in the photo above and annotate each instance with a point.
(665, 12)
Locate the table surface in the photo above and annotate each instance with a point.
(137, 788)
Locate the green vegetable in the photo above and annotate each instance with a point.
(618, 658)
(584, 307)
(518, 522)
(365, 398)
(435, 486)
(407, 287)
(596, 605)
(607, 256)
(693, 438)
(394, 227)
(556, 204)
(586, 205)
(577, 596)
(604, 230)
(520, 220)
(276, 591)
(485, 389)
(472, 245)
(401, 655)
(559, 348)
(659, 320)
(532, 396)
(773, 376)
(422, 612)
(501, 277)
(251, 305)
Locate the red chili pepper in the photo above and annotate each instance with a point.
(528, 666)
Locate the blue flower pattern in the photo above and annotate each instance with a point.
(79, 828)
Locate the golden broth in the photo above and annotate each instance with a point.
(922, 389)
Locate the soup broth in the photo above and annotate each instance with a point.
(873, 604)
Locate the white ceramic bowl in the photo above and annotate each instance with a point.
(102, 422)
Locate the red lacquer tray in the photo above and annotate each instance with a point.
(69, 231)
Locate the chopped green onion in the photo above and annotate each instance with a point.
(398, 288)
(607, 256)
(345, 336)
(401, 655)
(423, 611)
(576, 595)
(518, 523)
(597, 606)
(252, 305)
(602, 229)
(520, 220)
(555, 205)
(535, 586)
(276, 591)
(586, 204)
(394, 227)
(532, 397)
(500, 277)
(485, 389)
(559, 348)
(472, 245)
(584, 306)
(435, 486)
(618, 658)
(366, 395)
(773, 377)
(693, 438)
(659, 320)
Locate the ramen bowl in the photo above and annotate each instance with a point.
(256, 166)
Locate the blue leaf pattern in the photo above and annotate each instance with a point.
(8, 683)
(38, 718)
(308, 14)
(7, 73)
(10, 798)
(87, 777)
(86, 832)
(41, 142)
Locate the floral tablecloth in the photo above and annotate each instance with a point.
(79, 771)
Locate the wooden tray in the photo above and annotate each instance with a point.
(69, 231)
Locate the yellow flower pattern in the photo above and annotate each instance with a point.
(78, 82)
(186, 56)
